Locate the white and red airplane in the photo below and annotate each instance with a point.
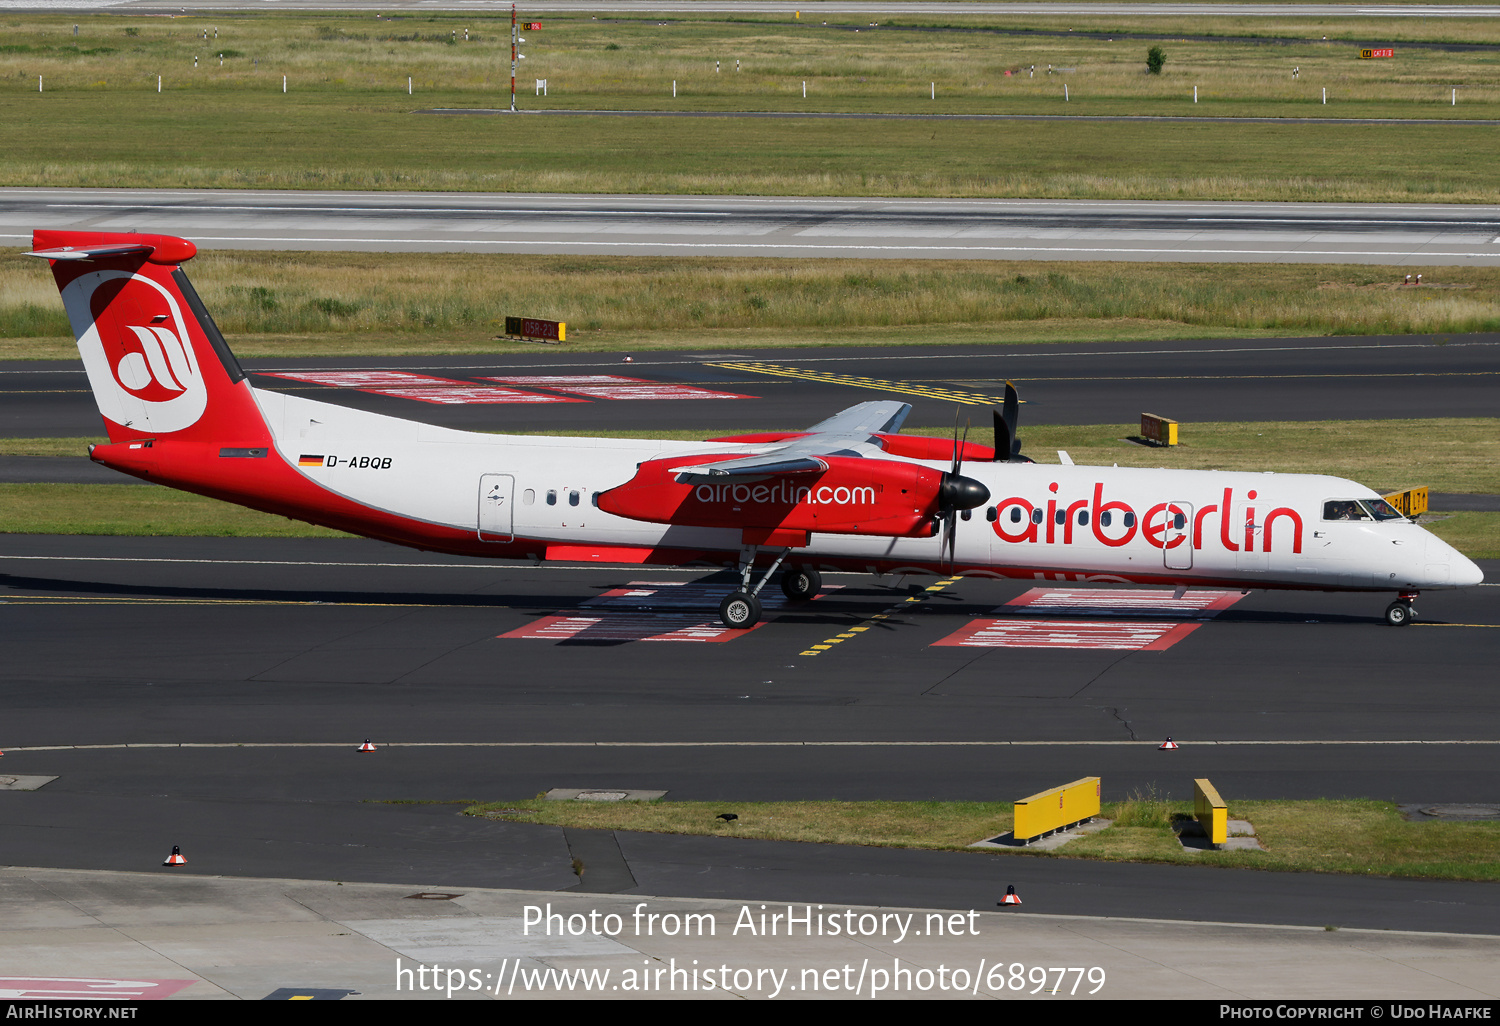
(849, 493)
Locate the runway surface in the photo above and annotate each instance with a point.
(307, 647)
(498, 7)
(1341, 377)
(1404, 235)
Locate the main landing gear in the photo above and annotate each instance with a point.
(1401, 612)
(741, 609)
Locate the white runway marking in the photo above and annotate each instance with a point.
(353, 745)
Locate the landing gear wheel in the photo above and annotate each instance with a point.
(740, 611)
(800, 584)
(1399, 614)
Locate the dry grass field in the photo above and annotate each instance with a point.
(285, 304)
(347, 121)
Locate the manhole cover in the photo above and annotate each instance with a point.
(602, 796)
(1461, 811)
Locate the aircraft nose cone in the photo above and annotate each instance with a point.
(1466, 573)
(958, 492)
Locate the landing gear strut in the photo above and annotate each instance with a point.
(1401, 612)
(741, 610)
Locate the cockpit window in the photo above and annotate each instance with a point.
(1345, 509)
(1383, 510)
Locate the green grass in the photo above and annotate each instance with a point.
(108, 509)
(347, 122)
(1331, 836)
(296, 304)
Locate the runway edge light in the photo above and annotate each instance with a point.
(367, 746)
(1011, 898)
(175, 859)
(1167, 746)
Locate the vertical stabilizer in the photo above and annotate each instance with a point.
(156, 362)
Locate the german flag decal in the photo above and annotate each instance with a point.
(310, 461)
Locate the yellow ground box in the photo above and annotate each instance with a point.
(1158, 429)
(1061, 806)
(1410, 503)
(1211, 812)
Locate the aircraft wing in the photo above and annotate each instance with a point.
(843, 434)
(879, 417)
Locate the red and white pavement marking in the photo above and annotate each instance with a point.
(1020, 630)
(1097, 634)
(460, 394)
(612, 386)
(81, 988)
(1122, 602)
(421, 387)
(630, 626)
(649, 611)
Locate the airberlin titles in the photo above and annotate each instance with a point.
(1164, 525)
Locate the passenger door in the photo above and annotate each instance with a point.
(496, 520)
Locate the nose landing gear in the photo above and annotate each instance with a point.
(1401, 612)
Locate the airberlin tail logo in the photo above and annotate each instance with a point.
(156, 371)
(135, 345)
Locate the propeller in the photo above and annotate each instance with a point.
(957, 493)
(1007, 442)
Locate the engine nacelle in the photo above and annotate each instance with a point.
(853, 496)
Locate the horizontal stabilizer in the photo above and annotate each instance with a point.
(91, 252)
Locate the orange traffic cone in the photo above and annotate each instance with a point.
(1010, 896)
(367, 747)
(1167, 746)
(175, 859)
(627, 360)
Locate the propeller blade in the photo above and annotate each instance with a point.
(1002, 438)
(1012, 417)
(956, 459)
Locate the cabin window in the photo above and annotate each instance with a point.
(1061, 517)
(1179, 521)
(594, 499)
(552, 496)
(1105, 518)
(1083, 517)
(1129, 519)
(992, 514)
(966, 514)
(1036, 516)
(573, 497)
(529, 496)
(1015, 514)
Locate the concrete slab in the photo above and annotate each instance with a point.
(249, 938)
(23, 783)
(1051, 842)
(602, 794)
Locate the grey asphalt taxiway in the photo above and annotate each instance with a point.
(211, 693)
(1326, 378)
(1411, 236)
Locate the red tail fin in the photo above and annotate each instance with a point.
(157, 364)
